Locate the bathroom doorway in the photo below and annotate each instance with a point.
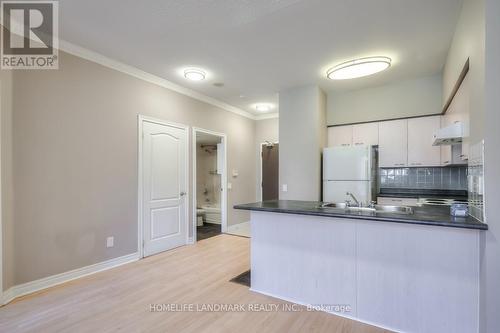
(209, 184)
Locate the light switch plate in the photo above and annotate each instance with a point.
(285, 187)
(229, 186)
(110, 241)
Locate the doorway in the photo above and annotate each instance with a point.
(270, 171)
(163, 182)
(209, 184)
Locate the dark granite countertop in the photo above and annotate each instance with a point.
(427, 215)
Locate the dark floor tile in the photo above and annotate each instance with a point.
(207, 230)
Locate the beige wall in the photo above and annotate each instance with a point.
(266, 130)
(415, 97)
(75, 163)
(7, 177)
(490, 263)
(302, 136)
(469, 42)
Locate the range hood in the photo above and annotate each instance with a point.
(449, 135)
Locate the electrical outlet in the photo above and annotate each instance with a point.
(110, 241)
(285, 187)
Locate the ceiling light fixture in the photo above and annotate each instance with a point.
(358, 68)
(194, 74)
(262, 107)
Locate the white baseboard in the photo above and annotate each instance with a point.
(331, 312)
(50, 281)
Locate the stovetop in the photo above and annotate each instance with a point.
(439, 201)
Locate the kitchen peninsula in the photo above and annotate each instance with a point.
(414, 272)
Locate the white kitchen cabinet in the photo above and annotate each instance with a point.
(450, 155)
(458, 111)
(421, 152)
(389, 201)
(340, 136)
(464, 114)
(446, 153)
(393, 139)
(365, 134)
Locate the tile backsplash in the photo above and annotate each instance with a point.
(476, 181)
(444, 178)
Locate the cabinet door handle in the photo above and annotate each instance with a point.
(358, 143)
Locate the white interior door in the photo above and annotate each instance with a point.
(164, 187)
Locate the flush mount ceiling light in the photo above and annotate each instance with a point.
(358, 68)
(261, 107)
(194, 74)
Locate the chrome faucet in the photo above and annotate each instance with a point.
(356, 201)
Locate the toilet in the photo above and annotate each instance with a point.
(200, 216)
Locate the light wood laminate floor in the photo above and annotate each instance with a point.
(119, 299)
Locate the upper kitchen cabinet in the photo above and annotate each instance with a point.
(451, 155)
(463, 110)
(340, 136)
(353, 135)
(421, 152)
(365, 134)
(393, 147)
(446, 151)
(458, 111)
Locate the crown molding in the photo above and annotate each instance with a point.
(148, 77)
(267, 116)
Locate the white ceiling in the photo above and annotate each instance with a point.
(259, 47)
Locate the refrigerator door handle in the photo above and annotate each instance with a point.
(367, 170)
(369, 192)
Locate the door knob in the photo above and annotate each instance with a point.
(183, 194)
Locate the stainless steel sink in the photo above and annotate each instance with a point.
(373, 209)
(339, 205)
(362, 209)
